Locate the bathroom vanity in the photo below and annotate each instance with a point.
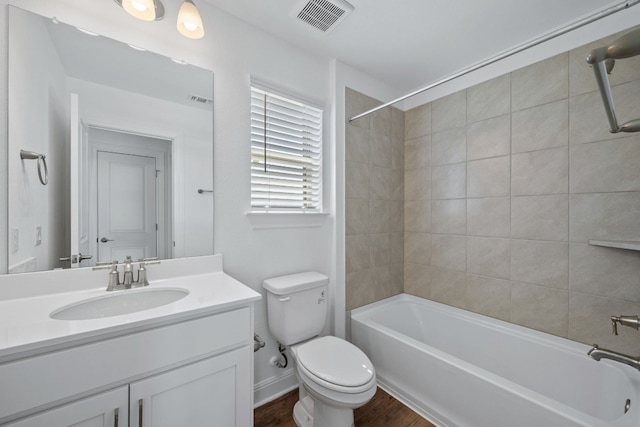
(182, 363)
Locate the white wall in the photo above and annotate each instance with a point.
(38, 123)
(234, 51)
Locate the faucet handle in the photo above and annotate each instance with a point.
(631, 321)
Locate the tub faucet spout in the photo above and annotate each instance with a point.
(597, 353)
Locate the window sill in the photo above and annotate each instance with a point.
(262, 220)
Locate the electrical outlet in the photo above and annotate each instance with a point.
(38, 235)
(15, 239)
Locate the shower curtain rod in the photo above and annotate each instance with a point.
(585, 21)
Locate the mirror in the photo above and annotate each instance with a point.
(127, 140)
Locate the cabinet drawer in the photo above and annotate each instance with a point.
(41, 380)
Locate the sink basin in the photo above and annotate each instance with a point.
(120, 302)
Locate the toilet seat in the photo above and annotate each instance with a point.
(335, 364)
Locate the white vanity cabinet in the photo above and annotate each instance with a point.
(197, 372)
(107, 409)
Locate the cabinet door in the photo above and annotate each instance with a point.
(107, 409)
(213, 392)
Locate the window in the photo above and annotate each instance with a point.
(286, 154)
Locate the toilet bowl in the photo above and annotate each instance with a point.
(337, 376)
(334, 376)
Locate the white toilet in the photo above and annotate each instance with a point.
(334, 376)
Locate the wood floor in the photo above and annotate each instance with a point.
(382, 410)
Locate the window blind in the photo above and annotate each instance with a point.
(286, 154)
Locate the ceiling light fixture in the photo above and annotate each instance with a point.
(146, 10)
(189, 21)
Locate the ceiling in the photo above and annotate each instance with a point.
(409, 43)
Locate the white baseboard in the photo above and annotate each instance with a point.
(270, 389)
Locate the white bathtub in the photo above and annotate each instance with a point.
(460, 369)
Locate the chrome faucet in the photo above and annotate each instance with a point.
(597, 353)
(127, 277)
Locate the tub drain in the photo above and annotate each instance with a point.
(627, 405)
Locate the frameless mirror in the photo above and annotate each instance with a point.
(123, 140)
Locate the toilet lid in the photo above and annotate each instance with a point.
(336, 361)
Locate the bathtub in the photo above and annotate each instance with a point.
(461, 369)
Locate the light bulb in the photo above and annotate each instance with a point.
(141, 9)
(189, 21)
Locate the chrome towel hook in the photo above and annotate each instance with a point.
(42, 162)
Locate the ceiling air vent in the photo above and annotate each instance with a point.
(324, 15)
(200, 99)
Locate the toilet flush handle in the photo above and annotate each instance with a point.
(284, 299)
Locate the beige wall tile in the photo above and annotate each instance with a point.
(380, 249)
(488, 177)
(544, 126)
(489, 256)
(448, 182)
(540, 172)
(540, 308)
(380, 150)
(417, 215)
(489, 99)
(588, 119)
(605, 216)
(417, 153)
(540, 262)
(489, 217)
(417, 248)
(357, 146)
(613, 273)
(380, 184)
(417, 121)
(540, 217)
(397, 154)
(380, 216)
(397, 185)
(356, 103)
(381, 122)
(397, 123)
(488, 296)
(397, 216)
(357, 252)
(449, 252)
(489, 138)
(449, 287)
(606, 166)
(448, 147)
(449, 112)
(417, 184)
(357, 177)
(449, 216)
(417, 280)
(359, 289)
(590, 322)
(357, 216)
(397, 248)
(540, 83)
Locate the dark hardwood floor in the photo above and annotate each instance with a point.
(382, 410)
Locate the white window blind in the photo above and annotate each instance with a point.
(286, 154)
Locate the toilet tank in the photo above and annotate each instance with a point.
(296, 306)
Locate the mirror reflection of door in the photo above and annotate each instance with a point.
(127, 218)
(129, 210)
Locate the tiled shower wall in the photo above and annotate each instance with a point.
(505, 183)
(374, 202)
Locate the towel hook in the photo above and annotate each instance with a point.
(42, 163)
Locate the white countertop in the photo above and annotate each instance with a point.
(26, 328)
